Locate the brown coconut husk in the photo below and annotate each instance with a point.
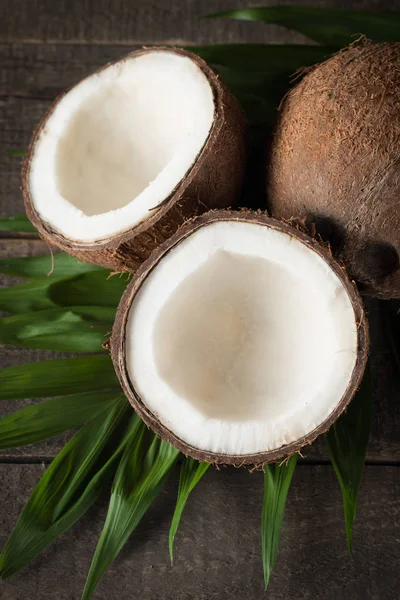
(335, 160)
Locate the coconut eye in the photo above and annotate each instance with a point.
(380, 259)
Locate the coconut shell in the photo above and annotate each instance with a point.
(335, 161)
(214, 181)
(117, 340)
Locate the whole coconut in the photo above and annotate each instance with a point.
(335, 161)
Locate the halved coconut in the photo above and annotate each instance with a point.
(240, 340)
(121, 160)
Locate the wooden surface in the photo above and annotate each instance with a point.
(217, 552)
(45, 47)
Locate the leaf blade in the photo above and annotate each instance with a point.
(332, 26)
(266, 59)
(259, 75)
(44, 420)
(191, 473)
(347, 442)
(19, 223)
(95, 288)
(138, 481)
(277, 479)
(67, 489)
(68, 376)
(73, 329)
(45, 265)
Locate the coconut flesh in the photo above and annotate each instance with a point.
(117, 145)
(130, 152)
(240, 341)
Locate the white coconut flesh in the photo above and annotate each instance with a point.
(241, 339)
(118, 144)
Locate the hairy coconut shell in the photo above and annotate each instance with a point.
(335, 161)
(214, 181)
(117, 340)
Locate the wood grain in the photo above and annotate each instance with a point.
(137, 22)
(217, 552)
(130, 22)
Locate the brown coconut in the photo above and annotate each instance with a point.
(192, 323)
(335, 158)
(214, 180)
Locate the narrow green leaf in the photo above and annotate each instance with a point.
(68, 488)
(347, 442)
(44, 420)
(98, 288)
(74, 329)
(262, 59)
(260, 74)
(332, 26)
(34, 267)
(141, 473)
(15, 152)
(27, 297)
(191, 473)
(277, 479)
(57, 377)
(18, 223)
(95, 288)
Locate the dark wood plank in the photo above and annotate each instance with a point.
(17, 120)
(130, 22)
(41, 71)
(217, 554)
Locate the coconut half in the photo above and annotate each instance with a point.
(122, 159)
(240, 340)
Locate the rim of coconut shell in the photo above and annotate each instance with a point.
(116, 343)
(50, 234)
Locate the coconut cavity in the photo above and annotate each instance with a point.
(118, 143)
(239, 341)
(126, 156)
(335, 161)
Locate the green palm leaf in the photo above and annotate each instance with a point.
(98, 288)
(191, 473)
(18, 223)
(94, 288)
(34, 267)
(44, 420)
(347, 442)
(331, 26)
(27, 297)
(141, 473)
(277, 479)
(74, 329)
(260, 74)
(68, 488)
(272, 59)
(58, 378)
